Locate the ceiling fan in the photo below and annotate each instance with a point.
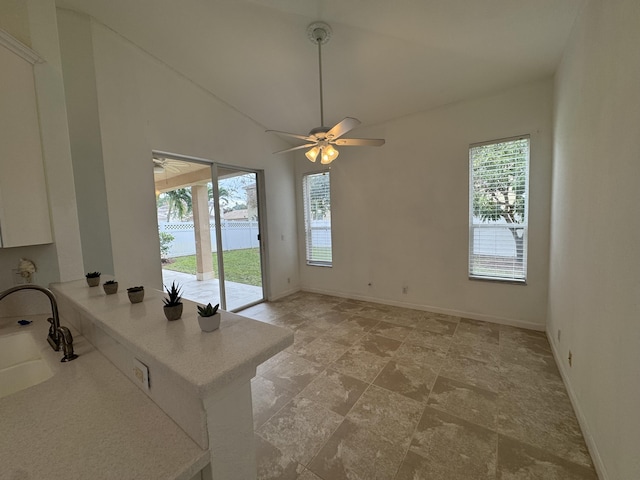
(321, 140)
(162, 165)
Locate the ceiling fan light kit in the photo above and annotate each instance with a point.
(321, 140)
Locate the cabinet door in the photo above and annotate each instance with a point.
(24, 206)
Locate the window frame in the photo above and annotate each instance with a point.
(308, 238)
(518, 280)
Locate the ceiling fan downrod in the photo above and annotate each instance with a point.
(320, 33)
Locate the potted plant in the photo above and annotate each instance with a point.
(93, 279)
(136, 294)
(173, 305)
(110, 287)
(208, 318)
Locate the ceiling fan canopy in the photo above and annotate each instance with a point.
(320, 141)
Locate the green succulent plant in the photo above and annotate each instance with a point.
(93, 275)
(110, 282)
(174, 295)
(207, 311)
(135, 289)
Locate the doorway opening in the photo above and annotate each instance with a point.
(209, 224)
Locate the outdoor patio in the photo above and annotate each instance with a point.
(208, 291)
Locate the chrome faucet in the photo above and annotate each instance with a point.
(58, 335)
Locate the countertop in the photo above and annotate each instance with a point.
(207, 362)
(88, 422)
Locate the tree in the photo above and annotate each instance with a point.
(319, 196)
(180, 204)
(499, 186)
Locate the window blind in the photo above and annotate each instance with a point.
(317, 218)
(498, 211)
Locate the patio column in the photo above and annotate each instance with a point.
(204, 259)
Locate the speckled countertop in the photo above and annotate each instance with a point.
(88, 421)
(206, 361)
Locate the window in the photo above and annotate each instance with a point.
(498, 210)
(317, 218)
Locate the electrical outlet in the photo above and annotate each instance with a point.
(405, 290)
(141, 374)
(570, 359)
(288, 280)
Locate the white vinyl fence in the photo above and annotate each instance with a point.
(236, 235)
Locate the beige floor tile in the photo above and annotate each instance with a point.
(444, 388)
(322, 351)
(353, 452)
(420, 356)
(308, 475)
(268, 397)
(474, 332)
(391, 330)
(378, 345)
(360, 364)
(273, 464)
(412, 380)
(426, 338)
(544, 419)
(465, 401)
(451, 448)
(294, 373)
(386, 413)
(438, 325)
(519, 461)
(334, 390)
(272, 362)
(474, 372)
(300, 429)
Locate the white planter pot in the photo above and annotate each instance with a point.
(209, 324)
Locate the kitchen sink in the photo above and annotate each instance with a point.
(21, 365)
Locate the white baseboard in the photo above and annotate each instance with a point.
(429, 308)
(582, 420)
(286, 293)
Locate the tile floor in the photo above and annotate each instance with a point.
(369, 391)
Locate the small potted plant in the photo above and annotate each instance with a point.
(93, 279)
(136, 294)
(173, 304)
(208, 318)
(110, 287)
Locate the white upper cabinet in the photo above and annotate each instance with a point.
(24, 206)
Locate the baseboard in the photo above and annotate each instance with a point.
(430, 308)
(280, 295)
(582, 420)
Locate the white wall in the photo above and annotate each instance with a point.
(63, 259)
(86, 144)
(142, 106)
(400, 212)
(595, 243)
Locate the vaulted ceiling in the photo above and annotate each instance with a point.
(385, 59)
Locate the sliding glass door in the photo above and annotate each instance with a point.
(209, 227)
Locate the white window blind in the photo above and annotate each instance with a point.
(317, 218)
(498, 210)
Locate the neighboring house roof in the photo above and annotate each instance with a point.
(236, 215)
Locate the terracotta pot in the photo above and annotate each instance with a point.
(110, 288)
(93, 281)
(173, 312)
(136, 297)
(209, 324)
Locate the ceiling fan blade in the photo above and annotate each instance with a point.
(359, 142)
(343, 127)
(307, 145)
(294, 135)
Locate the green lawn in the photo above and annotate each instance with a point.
(242, 266)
